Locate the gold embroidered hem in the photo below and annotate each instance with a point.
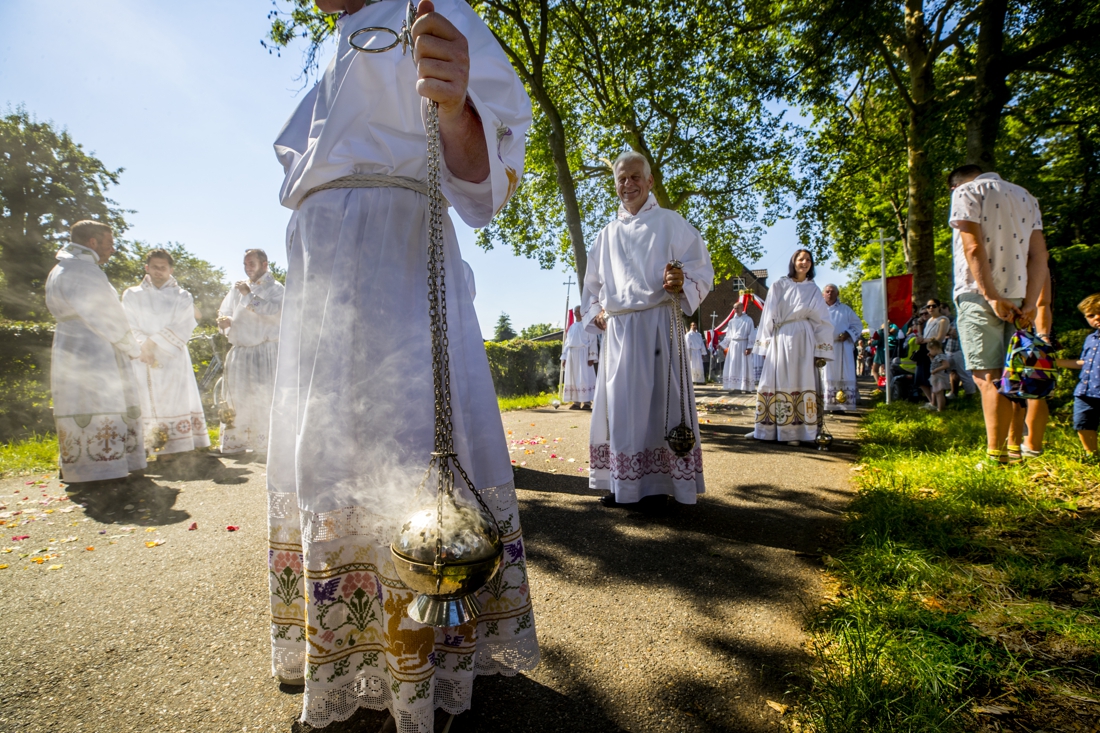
(786, 415)
(338, 617)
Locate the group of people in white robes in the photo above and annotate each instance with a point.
(578, 359)
(739, 374)
(122, 379)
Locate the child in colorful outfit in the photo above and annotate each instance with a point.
(940, 375)
(1086, 398)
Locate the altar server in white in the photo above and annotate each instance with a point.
(353, 417)
(633, 293)
(794, 333)
(738, 374)
(578, 355)
(249, 316)
(841, 392)
(696, 347)
(95, 398)
(162, 318)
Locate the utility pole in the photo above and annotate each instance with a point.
(568, 291)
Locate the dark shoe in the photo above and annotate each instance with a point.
(575, 406)
(656, 504)
(609, 500)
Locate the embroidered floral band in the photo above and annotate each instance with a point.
(338, 617)
(630, 467)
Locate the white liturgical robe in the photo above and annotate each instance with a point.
(250, 364)
(629, 453)
(794, 330)
(171, 407)
(578, 350)
(95, 398)
(841, 392)
(693, 342)
(740, 336)
(352, 424)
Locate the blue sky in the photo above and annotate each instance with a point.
(184, 97)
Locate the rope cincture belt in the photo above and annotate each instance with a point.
(374, 180)
(661, 304)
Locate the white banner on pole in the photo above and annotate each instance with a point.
(874, 304)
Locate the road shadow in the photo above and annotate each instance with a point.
(203, 466)
(138, 501)
(520, 703)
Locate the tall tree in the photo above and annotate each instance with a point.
(504, 330)
(904, 49)
(1015, 39)
(47, 183)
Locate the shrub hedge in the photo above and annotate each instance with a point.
(25, 379)
(522, 367)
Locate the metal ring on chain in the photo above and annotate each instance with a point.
(397, 38)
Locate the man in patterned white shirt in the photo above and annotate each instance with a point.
(1000, 259)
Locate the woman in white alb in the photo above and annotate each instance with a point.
(795, 330)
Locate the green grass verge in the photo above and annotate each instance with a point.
(525, 402)
(960, 591)
(36, 454)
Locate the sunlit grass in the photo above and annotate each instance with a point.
(525, 402)
(37, 454)
(959, 582)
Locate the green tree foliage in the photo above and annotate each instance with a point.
(916, 87)
(47, 183)
(205, 282)
(684, 83)
(537, 329)
(504, 330)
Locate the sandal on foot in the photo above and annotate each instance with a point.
(993, 458)
(1014, 455)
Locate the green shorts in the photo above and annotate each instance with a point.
(983, 336)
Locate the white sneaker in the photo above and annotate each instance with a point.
(928, 406)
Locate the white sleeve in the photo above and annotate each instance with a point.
(501, 102)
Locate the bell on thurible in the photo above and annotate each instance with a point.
(446, 568)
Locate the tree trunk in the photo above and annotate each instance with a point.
(920, 251)
(991, 91)
(566, 183)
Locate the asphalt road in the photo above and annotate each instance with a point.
(690, 620)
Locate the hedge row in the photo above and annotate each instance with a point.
(522, 367)
(25, 379)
